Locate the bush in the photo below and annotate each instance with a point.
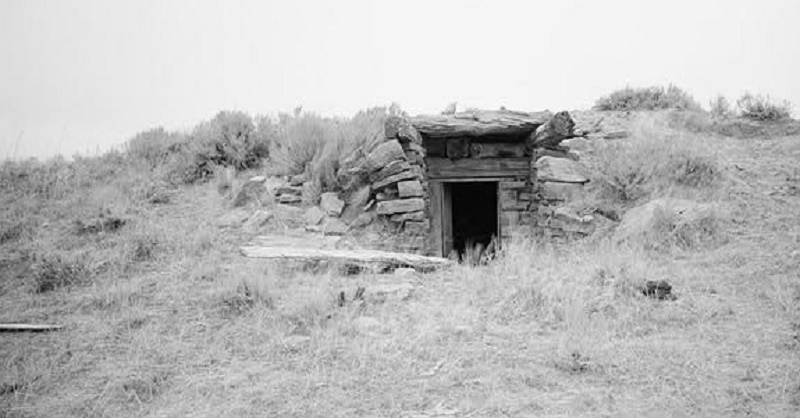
(154, 146)
(650, 98)
(720, 106)
(763, 108)
(230, 140)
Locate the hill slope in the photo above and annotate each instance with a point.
(164, 318)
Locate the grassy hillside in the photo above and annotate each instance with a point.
(133, 254)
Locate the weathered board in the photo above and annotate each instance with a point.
(479, 123)
(496, 150)
(476, 168)
(29, 327)
(357, 257)
(436, 190)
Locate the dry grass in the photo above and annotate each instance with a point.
(171, 321)
(657, 160)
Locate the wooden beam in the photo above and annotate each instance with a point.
(436, 203)
(358, 257)
(476, 168)
(29, 327)
(479, 123)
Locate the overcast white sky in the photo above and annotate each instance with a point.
(81, 75)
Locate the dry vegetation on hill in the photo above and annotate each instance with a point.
(163, 317)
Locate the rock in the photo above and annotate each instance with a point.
(563, 219)
(391, 169)
(298, 180)
(334, 226)
(400, 128)
(390, 207)
(411, 188)
(360, 197)
(577, 144)
(289, 199)
(313, 216)
(310, 193)
(555, 130)
(559, 170)
(383, 154)
(257, 220)
(557, 153)
(381, 293)
(405, 175)
(658, 289)
(296, 342)
(404, 272)
(563, 192)
(653, 220)
(417, 227)
(252, 190)
(410, 216)
(362, 220)
(331, 204)
(387, 194)
(233, 218)
(289, 190)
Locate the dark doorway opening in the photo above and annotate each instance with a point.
(474, 214)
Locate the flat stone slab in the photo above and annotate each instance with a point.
(390, 207)
(411, 188)
(559, 170)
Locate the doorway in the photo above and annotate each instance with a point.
(467, 215)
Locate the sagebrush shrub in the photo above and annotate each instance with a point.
(648, 98)
(153, 146)
(763, 108)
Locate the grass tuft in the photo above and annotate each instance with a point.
(54, 272)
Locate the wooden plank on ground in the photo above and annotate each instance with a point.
(476, 168)
(359, 257)
(29, 327)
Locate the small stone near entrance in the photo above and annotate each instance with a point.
(411, 188)
(388, 292)
(313, 216)
(257, 220)
(298, 180)
(334, 226)
(331, 204)
(252, 190)
(362, 220)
